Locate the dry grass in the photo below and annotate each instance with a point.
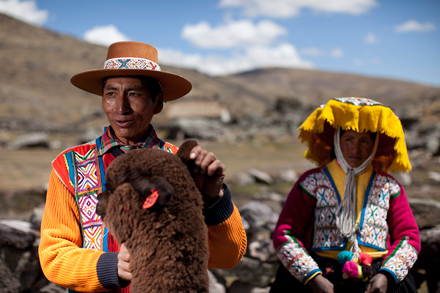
(26, 169)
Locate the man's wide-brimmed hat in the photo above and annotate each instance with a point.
(133, 59)
(360, 115)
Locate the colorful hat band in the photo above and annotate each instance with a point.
(131, 63)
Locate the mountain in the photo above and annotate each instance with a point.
(36, 94)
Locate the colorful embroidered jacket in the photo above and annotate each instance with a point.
(76, 250)
(307, 223)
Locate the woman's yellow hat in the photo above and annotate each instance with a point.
(361, 115)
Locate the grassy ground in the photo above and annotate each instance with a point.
(24, 173)
(26, 169)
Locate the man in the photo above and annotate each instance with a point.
(76, 250)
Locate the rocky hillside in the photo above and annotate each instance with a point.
(36, 94)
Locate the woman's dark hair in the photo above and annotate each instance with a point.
(153, 85)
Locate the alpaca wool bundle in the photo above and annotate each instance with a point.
(153, 206)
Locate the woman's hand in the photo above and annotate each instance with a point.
(378, 284)
(124, 263)
(208, 173)
(321, 284)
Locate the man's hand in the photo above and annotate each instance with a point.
(124, 263)
(378, 283)
(208, 173)
(321, 284)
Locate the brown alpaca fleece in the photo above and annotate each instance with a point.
(168, 242)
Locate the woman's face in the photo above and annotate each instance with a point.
(356, 147)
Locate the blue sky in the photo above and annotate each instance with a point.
(397, 39)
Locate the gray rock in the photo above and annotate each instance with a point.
(429, 259)
(215, 285)
(434, 176)
(240, 287)
(404, 178)
(433, 143)
(31, 140)
(52, 288)
(426, 212)
(17, 233)
(36, 217)
(261, 176)
(270, 197)
(261, 219)
(252, 271)
(244, 179)
(263, 250)
(199, 128)
(289, 176)
(20, 269)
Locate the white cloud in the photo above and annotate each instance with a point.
(284, 55)
(337, 53)
(370, 38)
(104, 35)
(291, 8)
(243, 33)
(414, 26)
(26, 11)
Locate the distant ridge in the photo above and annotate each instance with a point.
(37, 64)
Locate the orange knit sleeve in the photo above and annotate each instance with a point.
(227, 242)
(62, 259)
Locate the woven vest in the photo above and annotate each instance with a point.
(82, 171)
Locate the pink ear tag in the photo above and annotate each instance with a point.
(151, 199)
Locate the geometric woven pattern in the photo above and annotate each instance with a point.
(87, 171)
(373, 229)
(131, 63)
(88, 186)
(94, 236)
(87, 204)
(296, 259)
(375, 226)
(402, 260)
(359, 101)
(326, 234)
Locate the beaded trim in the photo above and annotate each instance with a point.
(131, 63)
(359, 101)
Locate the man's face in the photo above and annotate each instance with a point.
(129, 107)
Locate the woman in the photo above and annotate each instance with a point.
(347, 225)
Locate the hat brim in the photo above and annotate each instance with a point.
(173, 86)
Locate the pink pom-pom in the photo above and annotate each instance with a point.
(365, 259)
(351, 268)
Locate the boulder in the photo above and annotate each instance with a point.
(20, 269)
(261, 176)
(426, 212)
(31, 140)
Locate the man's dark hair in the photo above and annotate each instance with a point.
(153, 85)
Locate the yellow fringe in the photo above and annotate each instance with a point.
(376, 118)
